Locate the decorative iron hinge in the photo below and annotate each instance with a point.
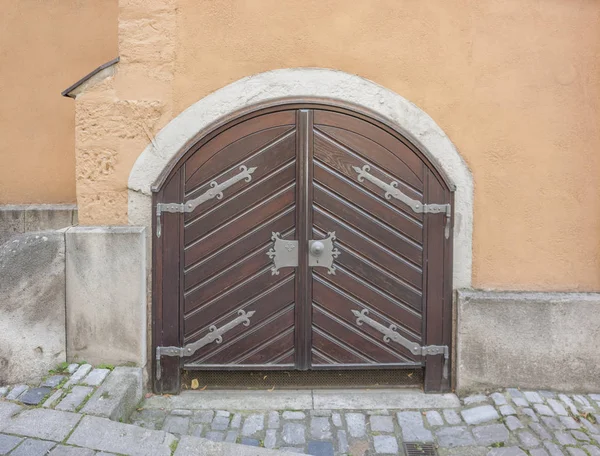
(389, 333)
(216, 190)
(392, 190)
(215, 335)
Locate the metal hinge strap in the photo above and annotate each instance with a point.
(215, 335)
(216, 190)
(391, 189)
(390, 334)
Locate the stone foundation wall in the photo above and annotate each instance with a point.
(17, 219)
(528, 340)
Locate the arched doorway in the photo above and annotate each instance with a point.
(302, 235)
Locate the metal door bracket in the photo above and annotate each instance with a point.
(391, 189)
(214, 335)
(216, 191)
(323, 252)
(390, 334)
(284, 253)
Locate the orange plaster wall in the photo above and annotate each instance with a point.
(514, 83)
(45, 46)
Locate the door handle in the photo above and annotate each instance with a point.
(322, 252)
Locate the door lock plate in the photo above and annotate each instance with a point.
(284, 253)
(322, 252)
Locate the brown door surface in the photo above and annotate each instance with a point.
(306, 173)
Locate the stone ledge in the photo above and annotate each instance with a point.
(528, 339)
(24, 218)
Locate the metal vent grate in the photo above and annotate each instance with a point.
(419, 449)
(383, 378)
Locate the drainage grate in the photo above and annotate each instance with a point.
(419, 449)
(384, 378)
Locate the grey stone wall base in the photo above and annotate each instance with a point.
(528, 340)
(118, 396)
(18, 219)
(32, 305)
(106, 294)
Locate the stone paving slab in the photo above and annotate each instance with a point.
(7, 410)
(43, 424)
(234, 400)
(31, 447)
(8, 442)
(407, 399)
(105, 435)
(63, 450)
(194, 446)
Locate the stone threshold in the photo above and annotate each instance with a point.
(330, 399)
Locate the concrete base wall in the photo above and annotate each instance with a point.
(32, 305)
(528, 340)
(17, 219)
(106, 294)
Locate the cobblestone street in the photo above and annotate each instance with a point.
(504, 423)
(82, 411)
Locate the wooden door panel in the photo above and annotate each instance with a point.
(380, 244)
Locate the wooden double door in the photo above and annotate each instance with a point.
(302, 237)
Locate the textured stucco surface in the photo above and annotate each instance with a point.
(106, 294)
(513, 84)
(45, 47)
(528, 340)
(32, 305)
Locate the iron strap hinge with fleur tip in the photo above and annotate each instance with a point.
(390, 334)
(215, 191)
(391, 189)
(214, 335)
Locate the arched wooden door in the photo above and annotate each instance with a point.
(302, 237)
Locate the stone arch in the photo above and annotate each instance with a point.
(312, 84)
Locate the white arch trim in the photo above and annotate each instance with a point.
(313, 83)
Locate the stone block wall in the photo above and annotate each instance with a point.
(16, 219)
(528, 340)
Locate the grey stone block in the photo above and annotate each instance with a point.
(342, 441)
(320, 429)
(33, 448)
(531, 414)
(197, 430)
(452, 417)
(273, 420)
(507, 451)
(176, 424)
(75, 398)
(215, 436)
(106, 294)
(557, 407)
(552, 423)
(16, 392)
(433, 418)
(543, 409)
(81, 372)
(220, 423)
(356, 424)
(540, 431)
(492, 433)
(538, 452)
(337, 419)
(498, 398)
(253, 424)
(96, 377)
(580, 436)
(105, 435)
(293, 434)
(32, 267)
(412, 427)
(194, 446)
(118, 396)
(507, 410)
(565, 439)
(383, 423)
(455, 436)
(53, 399)
(569, 422)
(180, 412)
(7, 410)
(576, 452)
(528, 440)
(592, 450)
(553, 449)
(72, 368)
(53, 381)
(249, 441)
(481, 414)
(63, 450)
(35, 395)
(271, 438)
(476, 399)
(535, 360)
(320, 448)
(43, 424)
(8, 442)
(232, 436)
(513, 423)
(533, 397)
(288, 415)
(203, 416)
(236, 421)
(385, 444)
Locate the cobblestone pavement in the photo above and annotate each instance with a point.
(504, 423)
